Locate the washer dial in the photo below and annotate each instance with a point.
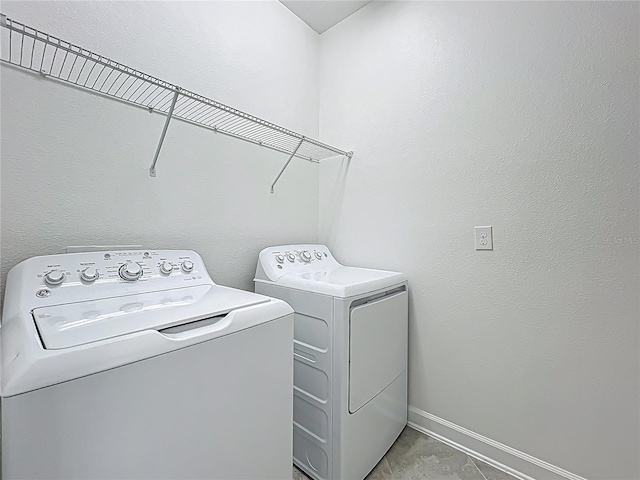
(318, 255)
(166, 268)
(54, 277)
(89, 275)
(291, 257)
(130, 272)
(279, 258)
(305, 256)
(187, 266)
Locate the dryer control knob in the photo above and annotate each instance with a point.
(130, 272)
(306, 256)
(166, 268)
(89, 275)
(291, 257)
(187, 266)
(54, 277)
(279, 258)
(318, 255)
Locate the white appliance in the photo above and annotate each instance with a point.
(135, 364)
(350, 358)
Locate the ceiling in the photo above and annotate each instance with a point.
(321, 15)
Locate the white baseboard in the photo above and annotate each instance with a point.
(519, 464)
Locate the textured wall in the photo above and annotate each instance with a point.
(523, 116)
(519, 115)
(75, 165)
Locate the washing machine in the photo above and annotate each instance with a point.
(135, 364)
(350, 358)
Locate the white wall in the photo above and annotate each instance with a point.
(75, 165)
(523, 116)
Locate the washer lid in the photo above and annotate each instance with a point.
(73, 324)
(342, 282)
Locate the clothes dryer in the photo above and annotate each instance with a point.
(350, 358)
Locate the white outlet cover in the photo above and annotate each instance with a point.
(484, 238)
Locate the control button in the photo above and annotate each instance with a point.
(279, 258)
(187, 266)
(130, 272)
(305, 256)
(166, 268)
(318, 255)
(54, 277)
(89, 274)
(291, 257)
(43, 293)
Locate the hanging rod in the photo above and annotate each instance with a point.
(53, 58)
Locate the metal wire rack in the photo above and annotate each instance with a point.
(51, 57)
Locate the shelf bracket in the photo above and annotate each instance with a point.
(287, 164)
(152, 170)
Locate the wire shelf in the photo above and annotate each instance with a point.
(51, 57)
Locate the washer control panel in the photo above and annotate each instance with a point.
(296, 259)
(82, 276)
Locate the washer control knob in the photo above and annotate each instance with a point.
(89, 275)
(279, 258)
(187, 266)
(130, 272)
(318, 255)
(291, 257)
(306, 256)
(166, 268)
(54, 277)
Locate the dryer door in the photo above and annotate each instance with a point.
(377, 346)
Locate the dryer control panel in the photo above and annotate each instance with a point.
(295, 259)
(75, 277)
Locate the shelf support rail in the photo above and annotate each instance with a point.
(293, 154)
(152, 170)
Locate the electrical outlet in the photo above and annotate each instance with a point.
(484, 238)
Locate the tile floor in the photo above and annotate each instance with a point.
(416, 456)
